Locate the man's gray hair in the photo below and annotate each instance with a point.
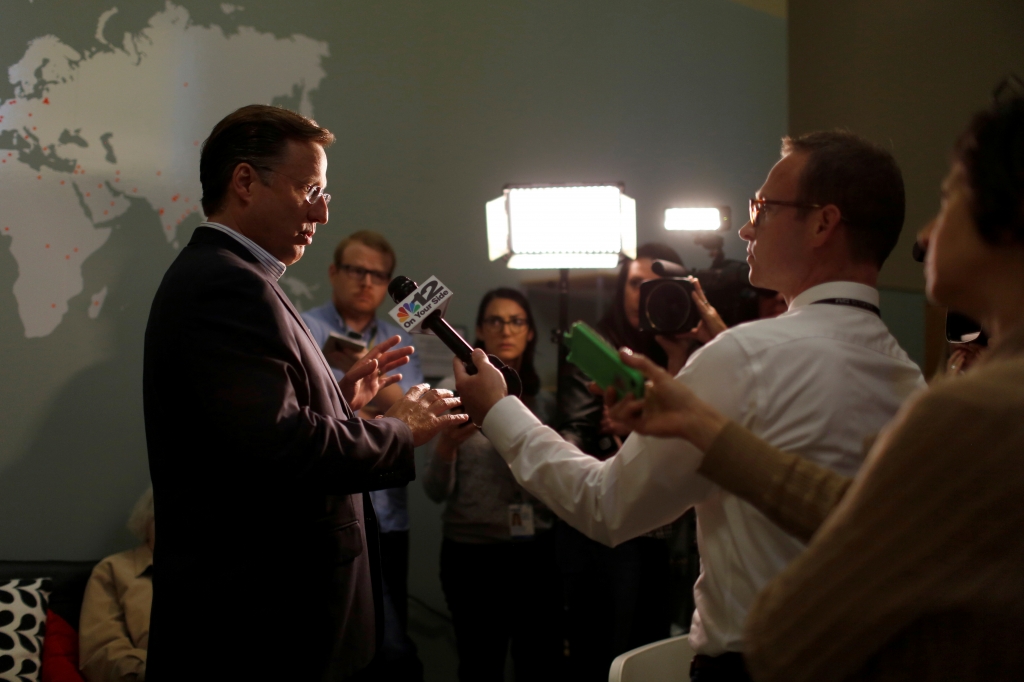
(142, 514)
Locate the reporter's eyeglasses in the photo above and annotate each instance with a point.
(497, 324)
(357, 274)
(758, 206)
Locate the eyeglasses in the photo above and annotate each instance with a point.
(313, 192)
(497, 324)
(358, 274)
(757, 207)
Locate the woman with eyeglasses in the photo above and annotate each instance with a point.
(915, 567)
(498, 568)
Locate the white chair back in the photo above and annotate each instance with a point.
(667, 660)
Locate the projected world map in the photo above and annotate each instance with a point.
(89, 133)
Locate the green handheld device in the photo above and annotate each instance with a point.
(601, 362)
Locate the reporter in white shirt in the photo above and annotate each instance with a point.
(818, 380)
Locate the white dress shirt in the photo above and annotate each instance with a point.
(275, 267)
(817, 380)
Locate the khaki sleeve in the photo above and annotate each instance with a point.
(106, 651)
(920, 532)
(797, 494)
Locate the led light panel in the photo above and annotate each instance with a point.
(694, 219)
(562, 226)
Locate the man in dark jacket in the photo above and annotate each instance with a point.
(266, 566)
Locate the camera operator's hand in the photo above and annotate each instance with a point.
(711, 324)
(668, 409)
(480, 391)
(367, 375)
(423, 410)
(678, 349)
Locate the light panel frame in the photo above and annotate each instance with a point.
(567, 226)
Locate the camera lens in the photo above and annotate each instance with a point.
(668, 307)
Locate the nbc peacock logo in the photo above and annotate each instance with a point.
(406, 310)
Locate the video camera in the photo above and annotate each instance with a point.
(667, 307)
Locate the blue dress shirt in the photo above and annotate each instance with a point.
(390, 504)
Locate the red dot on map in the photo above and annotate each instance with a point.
(67, 257)
(111, 203)
(7, 229)
(39, 177)
(158, 172)
(26, 137)
(3, 161)
(62, 182)
(44, 149)
(33, 127)
(160, 211)
(186, 85)
(194, 144)
(95, 302)
(46, 100)
(10, 153)
(105, 212)
(47, 246)
(53, 305)
(99, 186)
(117, 172)
(75, 249)
(168, 227)
(74, 172)
(135, 189)
(78, 166)
(88, 194)
(175, 197)
(117, 179)
(13, 101)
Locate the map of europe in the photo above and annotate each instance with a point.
(89, 133)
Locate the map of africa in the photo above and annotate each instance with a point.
(89, 133)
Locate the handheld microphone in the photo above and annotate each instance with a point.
(402, 287)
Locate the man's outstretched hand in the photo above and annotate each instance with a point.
(480, 391)
(423, 410)
(668, 409)
(364, 378)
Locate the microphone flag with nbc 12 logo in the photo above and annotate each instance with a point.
(431, 296)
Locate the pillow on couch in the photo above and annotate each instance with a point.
(22, 628)
(60, 651)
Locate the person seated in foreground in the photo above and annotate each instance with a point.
(498, 568)
(114, 625)
(913, 571)
(816, 380)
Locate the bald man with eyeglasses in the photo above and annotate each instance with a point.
(817, 380)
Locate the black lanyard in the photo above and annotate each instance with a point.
(852, 302)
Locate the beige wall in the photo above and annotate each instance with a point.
(907, 74)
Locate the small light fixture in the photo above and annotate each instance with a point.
(696, 219)
(561, 226)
